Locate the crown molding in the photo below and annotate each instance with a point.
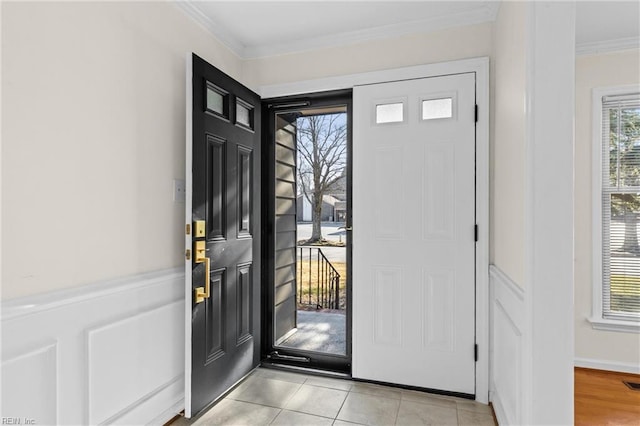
(606, 46)
(219, 32)
(486, 13)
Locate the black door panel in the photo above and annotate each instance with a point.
(226, 195)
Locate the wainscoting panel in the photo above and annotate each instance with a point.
(29, 383)
(507, 325)
(105, 353)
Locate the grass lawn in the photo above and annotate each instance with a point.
(625, 293)
(626, 285)
(312, 269)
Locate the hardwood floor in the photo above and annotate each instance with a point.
(602, 399)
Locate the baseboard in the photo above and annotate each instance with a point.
(498, 409)
(620, 367)
(168, 414)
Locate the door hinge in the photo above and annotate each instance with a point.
(475, 232)
(476, 113)
(187, 254)
(475, 352)
(187, 229)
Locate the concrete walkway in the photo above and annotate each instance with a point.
(320, 332)
(334, 254)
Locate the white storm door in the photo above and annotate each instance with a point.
(414, 233)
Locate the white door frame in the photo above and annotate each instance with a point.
(481, 67)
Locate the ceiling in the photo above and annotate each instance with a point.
(603, 23)
(265, 28)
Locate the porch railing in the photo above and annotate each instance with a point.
(318, 280)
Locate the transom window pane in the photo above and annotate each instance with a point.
(390, 113)
(437, 108)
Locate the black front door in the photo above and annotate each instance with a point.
(225, 229)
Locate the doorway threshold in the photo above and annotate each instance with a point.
(305, 370)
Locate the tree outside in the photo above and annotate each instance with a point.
(624, 172)
(322, 157)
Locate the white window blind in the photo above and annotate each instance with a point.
(621, 207)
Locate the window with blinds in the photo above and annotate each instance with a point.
(621, 207)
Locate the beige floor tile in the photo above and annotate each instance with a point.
(343, 423)
(377, 390)
(327, 382)
(285, 376)
(316, 400)
(473, 406)
(229, 412)
(293, 418)
(259, 390)
(417, 413)
(247, 382)
(469, 418)
(428, 398)
(181, 421)
(369, 409)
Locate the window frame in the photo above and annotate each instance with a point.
(597, 319)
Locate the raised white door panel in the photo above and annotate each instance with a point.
(413, 237)
(438, 309)
(387, 327)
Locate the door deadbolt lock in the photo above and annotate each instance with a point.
(199, 229)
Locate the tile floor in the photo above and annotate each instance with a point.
(274, 397)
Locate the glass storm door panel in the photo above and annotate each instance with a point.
(310, 291)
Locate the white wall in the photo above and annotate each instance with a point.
(92, 138)
(532, 275)
(507, 297)
(93, 122)
(439, 46)
(508, 141)
(596, 346)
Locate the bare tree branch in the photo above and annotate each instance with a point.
(322, 147)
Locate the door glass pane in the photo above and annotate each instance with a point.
(214, 101)
(244, 114)
(390, 113)
(437, 108)
(216, 98)
(310, 240)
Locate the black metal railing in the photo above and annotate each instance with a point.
(318, 280)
